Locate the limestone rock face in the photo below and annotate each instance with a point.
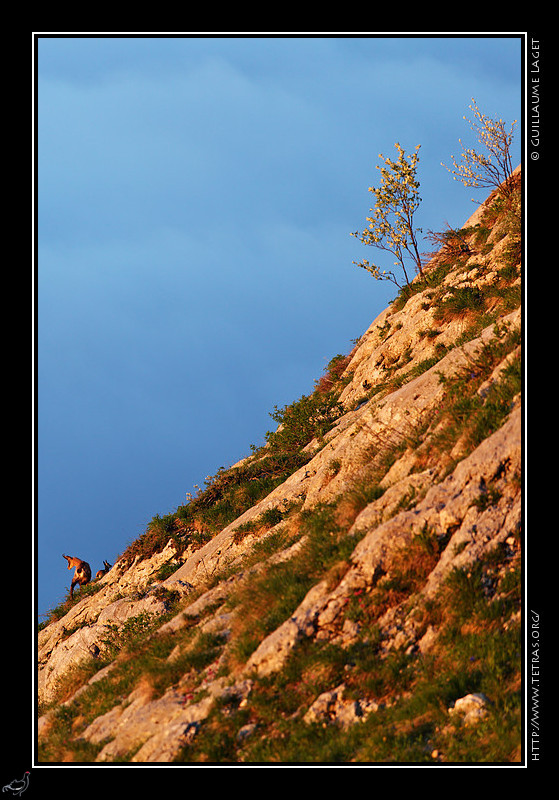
(472, 708)
(79, 635)
(161, 724)
(332, 706)
(446, 504)
(465, 497)
(156, 727)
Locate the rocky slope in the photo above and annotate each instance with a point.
(363, 606)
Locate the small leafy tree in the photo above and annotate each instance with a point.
(391, 228)
(492, 169)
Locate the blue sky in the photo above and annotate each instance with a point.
(195, 199)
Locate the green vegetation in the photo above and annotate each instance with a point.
(300, 422)
(141, 659)
(62, 609)
(307, 420)
(492, 167)
(232, 491)
(472, 416)
(476, 652)
(269, 598)
(475, 612)
(391, 228)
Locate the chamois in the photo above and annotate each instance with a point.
(82, 575)
(102, 572)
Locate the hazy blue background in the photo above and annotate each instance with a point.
(195, 202)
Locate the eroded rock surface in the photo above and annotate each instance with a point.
(468, 501)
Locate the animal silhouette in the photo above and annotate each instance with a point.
(17, 787)
(82, 575)
(102, 572)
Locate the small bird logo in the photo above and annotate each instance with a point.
(17, 787)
